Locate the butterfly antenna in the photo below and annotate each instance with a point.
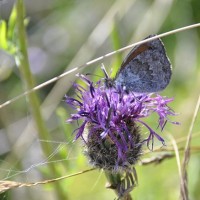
(104, 70)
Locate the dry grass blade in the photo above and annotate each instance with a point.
(7, 185)
(178, 164)
(97, 60)
(184, 190)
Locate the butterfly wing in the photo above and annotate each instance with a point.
(146, 68)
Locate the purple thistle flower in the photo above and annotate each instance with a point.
(111, 118)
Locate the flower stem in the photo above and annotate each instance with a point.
(117, 183)
(23, 64)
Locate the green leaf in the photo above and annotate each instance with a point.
(3, 39)
(4, 196)
(12, 23)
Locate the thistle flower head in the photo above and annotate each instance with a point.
(110, 122)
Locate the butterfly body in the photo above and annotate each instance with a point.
(146, 68)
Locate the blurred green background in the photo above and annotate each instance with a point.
(66, 34)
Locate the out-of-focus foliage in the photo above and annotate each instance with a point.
(7, 34)
(66, 34)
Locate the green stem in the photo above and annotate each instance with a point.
(23, 64)
(115, 180)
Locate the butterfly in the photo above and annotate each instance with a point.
(145, 69)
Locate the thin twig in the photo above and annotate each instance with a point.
(157, 160)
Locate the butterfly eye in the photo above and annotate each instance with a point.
(109, 83)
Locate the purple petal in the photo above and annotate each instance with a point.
(80, 130)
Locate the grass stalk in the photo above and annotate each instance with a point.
(33, 100)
